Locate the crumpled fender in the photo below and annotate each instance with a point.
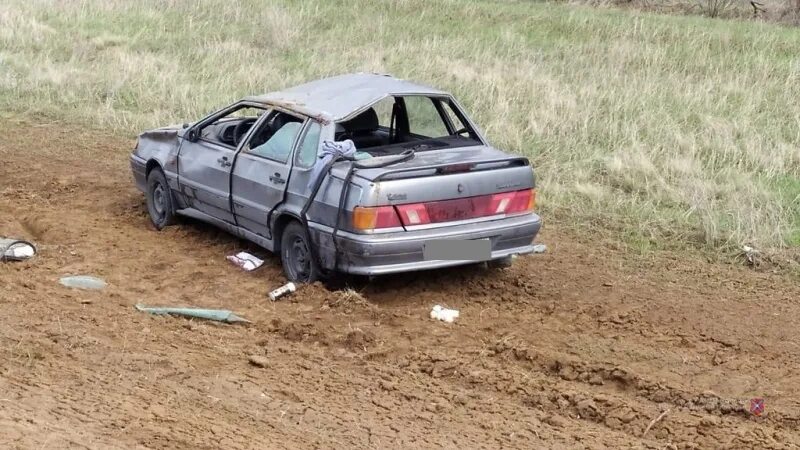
(161, 145)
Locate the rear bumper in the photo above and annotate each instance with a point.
(378, 254)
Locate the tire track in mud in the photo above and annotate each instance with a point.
(611, 395)
(555, 388)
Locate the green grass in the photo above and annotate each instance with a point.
(788, 188)
(668, 131)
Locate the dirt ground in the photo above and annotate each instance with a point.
(586, 346)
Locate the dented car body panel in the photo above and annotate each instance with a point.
(159, 146)
(251, 173)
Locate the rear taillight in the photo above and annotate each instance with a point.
(520, 201)
(504, 203)
(414, 214)
(370, 218)
(532, 200)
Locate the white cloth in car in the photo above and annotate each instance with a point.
(330, 150)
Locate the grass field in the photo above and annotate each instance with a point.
(670, 131)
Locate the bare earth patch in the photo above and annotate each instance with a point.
(584, 346)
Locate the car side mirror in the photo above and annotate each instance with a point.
(191, 135)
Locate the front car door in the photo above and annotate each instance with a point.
(261, 171)
(206, 158)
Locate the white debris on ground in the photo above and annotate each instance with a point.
(751, 255)
(283, 290)
(246, 261)
(539, 248)
(15, 250)
(444, 314)
(83, 282)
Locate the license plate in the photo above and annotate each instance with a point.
(457, 250)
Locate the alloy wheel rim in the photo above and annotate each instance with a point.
(300, 258)
(159, 200)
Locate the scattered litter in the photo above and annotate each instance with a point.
(757, 406)
(539, 248)
(219, 315)
(16, 250)
(444, 314)
(283, 290)
(246, 261)
(258, 361)
(83, 282)
(751, 255)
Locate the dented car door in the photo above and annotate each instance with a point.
(206, 158)
(204, 174)
(261, 170)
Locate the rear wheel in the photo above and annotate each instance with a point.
(297, 258)
(160, 204)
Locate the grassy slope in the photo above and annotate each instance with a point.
(664, 129)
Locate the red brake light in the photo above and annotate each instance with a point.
(501, 203)
(504, 203)
(523, 201)
(414, 214)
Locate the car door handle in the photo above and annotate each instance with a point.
(224, 162)
(277, 178)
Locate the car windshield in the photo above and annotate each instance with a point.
(413, 122)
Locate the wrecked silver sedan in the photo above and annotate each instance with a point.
(363, 173)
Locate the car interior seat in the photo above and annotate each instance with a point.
(362, 130)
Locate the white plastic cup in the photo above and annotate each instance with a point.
(283, 290)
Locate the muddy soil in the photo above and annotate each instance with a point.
(586, 346)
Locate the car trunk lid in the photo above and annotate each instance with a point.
(445, 175)
(441, 187)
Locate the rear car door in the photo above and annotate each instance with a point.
(206, 159)
(261, 171)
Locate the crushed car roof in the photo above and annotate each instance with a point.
(339, 97)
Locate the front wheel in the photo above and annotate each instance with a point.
(160, 204)
(297, 258)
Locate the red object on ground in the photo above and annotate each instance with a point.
(757, 406)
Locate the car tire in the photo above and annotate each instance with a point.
(299, 263)
(502, 263)
(160, 203)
